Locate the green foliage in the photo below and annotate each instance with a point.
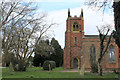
(31, 76)
(38, 59)
(42, 52)
(57, 56)
(43, 48)
(47, 63)
(53, 64)
(47, 50)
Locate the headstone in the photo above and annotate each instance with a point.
(11, 68)
(30, 64)
(49, 68)
(17, 67)
(40, 65)
(82, 70)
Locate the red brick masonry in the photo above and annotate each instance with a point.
(81, 50)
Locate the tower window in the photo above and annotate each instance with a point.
(111, 54)
(76, 26)
(75, 40)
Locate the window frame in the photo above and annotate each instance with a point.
(93, 51)
(76, 27)
(75, 40)
(111, 51)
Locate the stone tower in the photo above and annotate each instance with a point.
(73, 41)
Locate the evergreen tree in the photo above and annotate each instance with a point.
(57, 56)
(46, 50)
(38, 59)
(42, 52)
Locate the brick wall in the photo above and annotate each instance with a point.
(81, 50)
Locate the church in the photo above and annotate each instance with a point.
(78, 47)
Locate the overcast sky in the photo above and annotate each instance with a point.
(57, 11)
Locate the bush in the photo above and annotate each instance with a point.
(114, 71)
(38, 59)
(94, 68)
(53, 64)
(46, 65)
(21, 66)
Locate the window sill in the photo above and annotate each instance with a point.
(112, 62)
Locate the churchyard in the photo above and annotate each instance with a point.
(38, 72)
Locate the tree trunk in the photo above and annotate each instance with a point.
(99, 69)
(21, 66)
(116, 6)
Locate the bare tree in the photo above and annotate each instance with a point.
(99, 4)
(104, 38)
(18, 9)
(115, 4)
(22, 30)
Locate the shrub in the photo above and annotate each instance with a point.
(53, 64)
(114, 71)
(46, 65)
(21, 66)
(94, 68)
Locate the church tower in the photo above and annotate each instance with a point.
(73, 41)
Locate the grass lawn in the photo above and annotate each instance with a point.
(37, 72)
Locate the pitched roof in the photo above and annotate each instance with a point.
(96, 36)
(93, 36)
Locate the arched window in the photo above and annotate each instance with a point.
(92, 53)
(111, 53)
(76, 26)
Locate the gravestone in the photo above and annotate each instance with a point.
(82, 70)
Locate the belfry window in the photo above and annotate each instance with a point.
(76, 26)
(111, 54)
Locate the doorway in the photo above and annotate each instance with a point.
(75, 63)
